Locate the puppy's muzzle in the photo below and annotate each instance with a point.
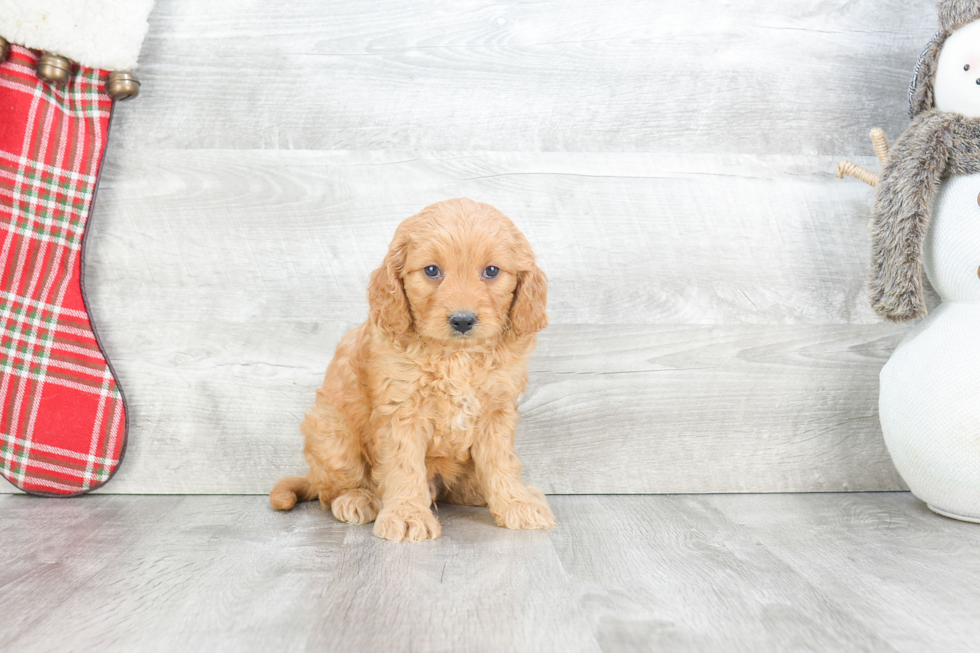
(462, 321)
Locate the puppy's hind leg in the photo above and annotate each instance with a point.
(337, 466)
(465, 490)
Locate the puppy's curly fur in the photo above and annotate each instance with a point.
(412, 410)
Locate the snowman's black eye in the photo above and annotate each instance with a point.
(491, 271)
(978, 81)
(432, 271)
(966, 67)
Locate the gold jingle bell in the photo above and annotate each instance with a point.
(122, 85)
(54, 69)
(4, 49)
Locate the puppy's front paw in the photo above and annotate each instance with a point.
(356, 507)
(406, 523)
(528, 513)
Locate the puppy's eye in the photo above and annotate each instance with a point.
(432, 271)
(491, 271)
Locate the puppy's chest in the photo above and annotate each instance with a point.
(454, 399)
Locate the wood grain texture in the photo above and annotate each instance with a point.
(794, 77)
(215, 407)
(911, 576)
(674, 574)
(754, 573)
(625, 238)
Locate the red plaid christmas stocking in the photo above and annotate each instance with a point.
(62, 416)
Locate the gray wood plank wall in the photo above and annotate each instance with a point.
(670, 162)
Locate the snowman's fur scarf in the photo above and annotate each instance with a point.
(937, 144)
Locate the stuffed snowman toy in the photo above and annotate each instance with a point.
(926, 218)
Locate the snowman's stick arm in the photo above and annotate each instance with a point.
(880, 142)
(881, 145)
(859, 172)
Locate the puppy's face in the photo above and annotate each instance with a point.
(460, 283)
(459, 273)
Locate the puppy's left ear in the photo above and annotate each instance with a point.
(527, 312)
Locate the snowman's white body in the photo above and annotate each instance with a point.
(930, 388)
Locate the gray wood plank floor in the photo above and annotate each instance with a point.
(804, 572)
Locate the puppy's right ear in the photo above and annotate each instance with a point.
(388, 305)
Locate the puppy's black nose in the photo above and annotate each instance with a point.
(462, 321)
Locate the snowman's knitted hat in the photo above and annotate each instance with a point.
(953, 14)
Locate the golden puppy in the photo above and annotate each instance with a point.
(420, 401)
